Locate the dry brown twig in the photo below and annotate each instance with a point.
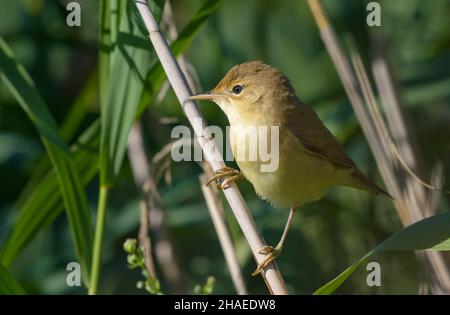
(213, 203)
(391, 144)
(216, 212)
(172, 32)
(139, 167)
(215, 208)
(152, 215)
(420, 198)
(271, 274)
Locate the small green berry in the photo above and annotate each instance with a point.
(133, 260)
(130, 245)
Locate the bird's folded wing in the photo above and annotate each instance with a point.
(307, 127)
(316, 139)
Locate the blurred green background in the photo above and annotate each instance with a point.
(327, 236)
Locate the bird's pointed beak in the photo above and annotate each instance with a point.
(206, 96)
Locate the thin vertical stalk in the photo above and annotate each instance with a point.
(420, 201)
(210, 194)
(410, 197)
(271, 274)
(98, 240)
(152, 214)
(144, 237)
(220, 224)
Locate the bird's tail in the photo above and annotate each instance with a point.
(365, 183)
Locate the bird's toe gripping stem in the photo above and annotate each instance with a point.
(271, 253)
(224, 177)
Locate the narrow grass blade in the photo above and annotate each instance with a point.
(432, 233)
(130, 63)
(9, 284)
(157, 76)
(45, 202)
(20, 84)
(108, 25)
(72, 121)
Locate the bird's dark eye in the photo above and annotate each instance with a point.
(237, 89)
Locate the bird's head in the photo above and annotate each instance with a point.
(250, 88)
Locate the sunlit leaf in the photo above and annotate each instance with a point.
(157, 76)
(44, 204)
(130, 62)
(432, 233)
(71, 123)
(22, 87)
(8, 284)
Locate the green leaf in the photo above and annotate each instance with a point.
(108, 21)
(72, 121)
(432, 233)
(130, 63)
(38, 202)
(157, 76)
(9, 284)
(22, 87)
(79, 109)
(45, 203)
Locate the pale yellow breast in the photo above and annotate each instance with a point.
(300, 177)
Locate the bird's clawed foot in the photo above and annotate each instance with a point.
(271, 253)
(224, 177)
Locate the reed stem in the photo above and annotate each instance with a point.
(98, 239)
